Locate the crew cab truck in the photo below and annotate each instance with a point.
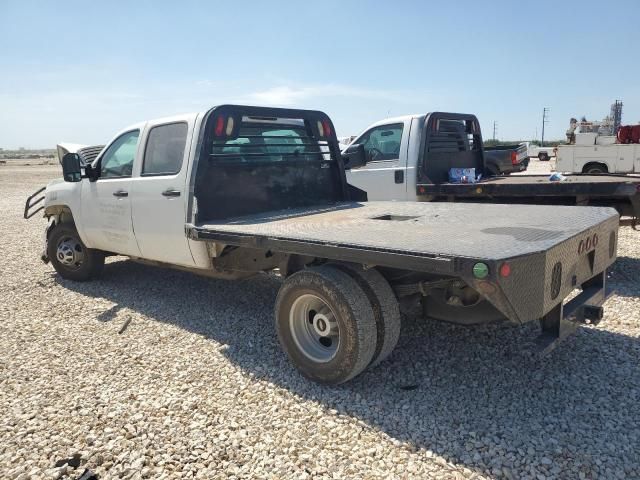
(416, 164)
(240, 190)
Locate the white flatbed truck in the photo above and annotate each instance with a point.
(236, 191)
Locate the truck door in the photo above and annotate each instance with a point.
(106, 203)
(384, 177)
(159, 194)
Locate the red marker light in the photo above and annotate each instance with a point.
(327, 128)
(219, 126)
(514, 158)
(505, 270)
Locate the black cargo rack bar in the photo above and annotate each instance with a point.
(33, 202)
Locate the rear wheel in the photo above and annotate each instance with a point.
(325, 324)
(595, 169)
(70, 257)
(385, 308)
(493, 171)
(543, 156)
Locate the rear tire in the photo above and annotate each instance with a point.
(492, 171)
(325, 324)
(386, 308)
(595, 169)
(543, 156)
(70, 257)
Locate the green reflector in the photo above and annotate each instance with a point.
(480, 270)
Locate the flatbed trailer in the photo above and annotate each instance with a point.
(621, 192)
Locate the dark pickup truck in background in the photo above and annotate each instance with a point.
(506, 159)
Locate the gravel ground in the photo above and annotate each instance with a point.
(154, 373)
(536, 167)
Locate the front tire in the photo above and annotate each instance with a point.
(543, 156)
(325, 324)
(70, 257)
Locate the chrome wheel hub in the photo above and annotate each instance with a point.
(69, 252)
(314, 328)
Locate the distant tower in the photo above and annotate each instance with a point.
(616, 115)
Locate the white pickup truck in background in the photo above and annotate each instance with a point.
(544, 154)
(409, 157)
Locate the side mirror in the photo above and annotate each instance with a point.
(71, 167)
(354, 157)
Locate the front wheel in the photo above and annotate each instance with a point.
(70, 257)
(543, 156)
(326, 324)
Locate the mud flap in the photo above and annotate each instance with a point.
(43, 256)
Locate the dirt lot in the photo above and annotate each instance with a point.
(152, 373)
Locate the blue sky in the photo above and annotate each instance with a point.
(80, 71)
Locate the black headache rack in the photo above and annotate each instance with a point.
(449, 140)
(257, 159)
(34, 200)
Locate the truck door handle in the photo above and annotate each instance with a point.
(120, 193)
(171, 193)
(399, 176)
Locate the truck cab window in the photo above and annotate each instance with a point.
(165, 149)
(382, 142)
(118, 159)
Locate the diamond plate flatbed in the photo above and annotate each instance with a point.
(610, 190)
(445, 239)
(487, 231)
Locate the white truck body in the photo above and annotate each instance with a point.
(593, 158)
(378, 177)
(541, 153)
(106, 222)
(401, 171)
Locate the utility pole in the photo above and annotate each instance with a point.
(495, 129)
(545, 117)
